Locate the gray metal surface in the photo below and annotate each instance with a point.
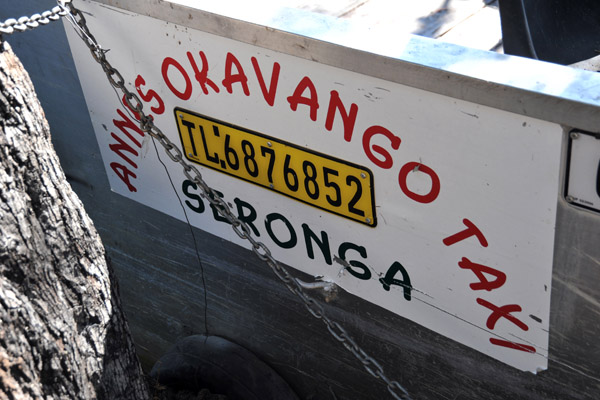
(160, 277)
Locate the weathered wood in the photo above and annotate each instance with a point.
(62, 331)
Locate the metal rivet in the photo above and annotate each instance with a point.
(570, 199)
(181, 116)
(368, 220)
(269, 144)
(574, 135)
(271, 185)
(363, 175)
(190, 155)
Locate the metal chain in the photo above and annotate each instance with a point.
(11, 25)
(240, 227)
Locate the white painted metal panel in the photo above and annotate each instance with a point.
(498, 174)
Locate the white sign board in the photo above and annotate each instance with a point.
(583, 170)
(439, 210)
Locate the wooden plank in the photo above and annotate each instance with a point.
(336, 8)
(429, 18)
(481, 30)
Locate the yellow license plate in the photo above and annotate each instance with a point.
(331, 184)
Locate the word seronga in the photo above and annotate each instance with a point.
(291, 237)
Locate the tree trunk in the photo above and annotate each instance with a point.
(62, 331)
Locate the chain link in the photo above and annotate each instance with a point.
(22, 24)
(240, 227)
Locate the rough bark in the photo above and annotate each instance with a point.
(62, 332)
